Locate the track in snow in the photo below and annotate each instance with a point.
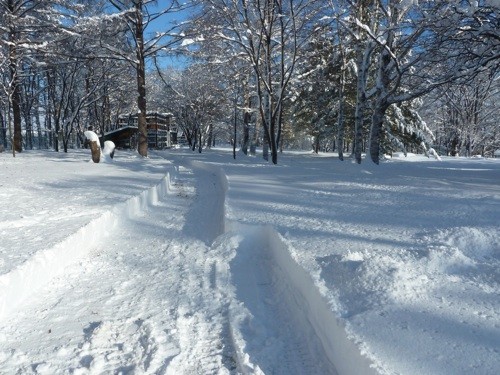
(278, 339)
(155, 298)
(143, 302)
(277, 334)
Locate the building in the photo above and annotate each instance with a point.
(162, 132)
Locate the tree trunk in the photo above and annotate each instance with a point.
(16, 103)
(142, 126)
(273, 134)
(246, 132)
(15, 89)
(273, 144)
(3, 129)
(65, 145)
(56, 139)
(376, 130)
(381, 104)
(362, 62)
(38, 126)
(29, 129)
(194, 139)
(341, 122)
(200, 144)
(57, 129)
(11, 135)
(210, 137)
(96, 151)
(265, 146)
(235, 132)
(316, 144)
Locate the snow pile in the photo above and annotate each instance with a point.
(92, 137)
(24, 280)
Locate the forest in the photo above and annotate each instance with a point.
(357, 77)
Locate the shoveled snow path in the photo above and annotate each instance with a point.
(275, 326)
(140, 303)
(156, 297)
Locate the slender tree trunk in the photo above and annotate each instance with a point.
(210, 135)
(28, 121)
(3, 129)
(376, 129)
(273, 142)
(341, 120)
(381, 103)
(362, 62)
(195, 140)
(235, 133)
(11, 134)
(255, 139)
(56, 137)
(65, 143)
(379, 109)
(265, 146)
(15, 89)
(246, 133)
(142, 126)
(38, 126)
(16, 102)
(264, 115)
(246, 130)
(48, 127)
(200, 144)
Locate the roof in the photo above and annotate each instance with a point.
(149, 114)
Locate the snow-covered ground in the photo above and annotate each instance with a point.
(187, 263)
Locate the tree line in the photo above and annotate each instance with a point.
(352, 76)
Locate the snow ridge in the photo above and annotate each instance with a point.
(269, 306)
(276, 309)
(38, 270)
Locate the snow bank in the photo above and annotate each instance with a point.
(339, 349)
(35, 272)
(263, 272)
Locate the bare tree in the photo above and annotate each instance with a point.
(196, 97)
(21, 24)
(465, 116)
(138, 15)
(269, 35)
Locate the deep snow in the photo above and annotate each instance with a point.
(187, 263)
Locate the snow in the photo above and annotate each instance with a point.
(108, 151)
(190, 41)
(106, 154)
(92, 137)
(185, 263)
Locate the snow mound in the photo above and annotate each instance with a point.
(278, 309)
(24, 280)
(475, 243)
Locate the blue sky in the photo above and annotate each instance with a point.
(163, 23)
